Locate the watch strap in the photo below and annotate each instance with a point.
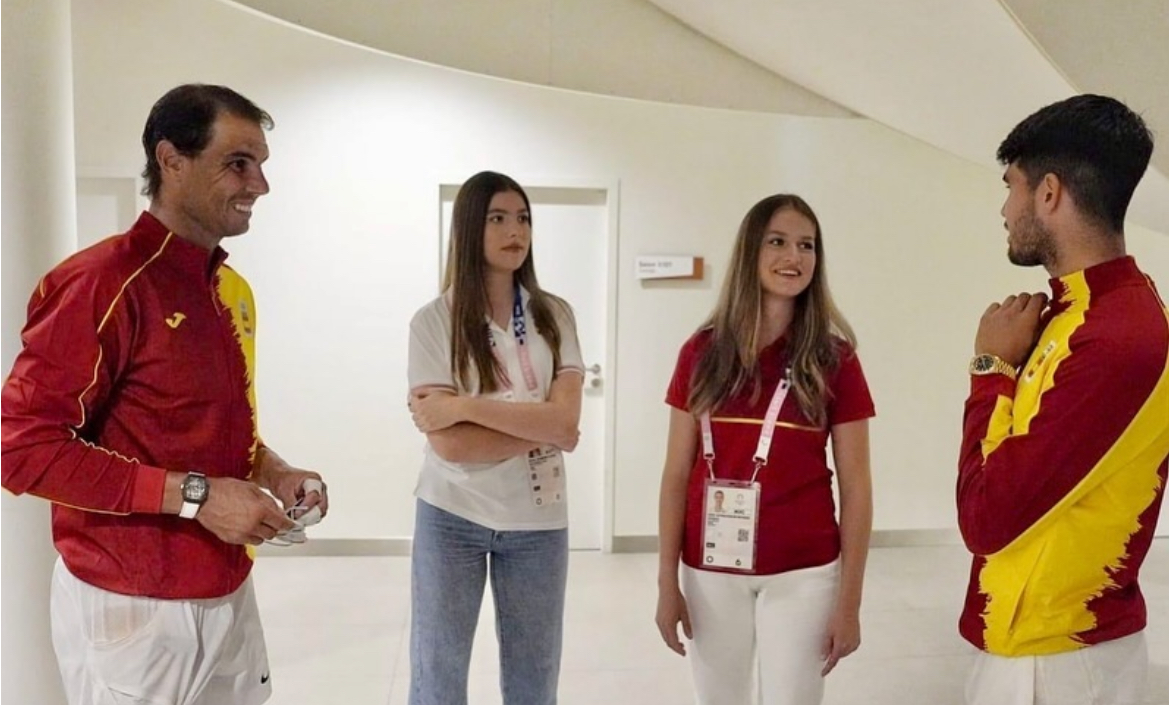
(988, 364)
(189, 510)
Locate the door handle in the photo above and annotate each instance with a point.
(594, 369)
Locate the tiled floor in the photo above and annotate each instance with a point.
(338, 630)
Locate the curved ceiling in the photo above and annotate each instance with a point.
(957, 74)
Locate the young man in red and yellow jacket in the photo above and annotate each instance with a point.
(1063, 459)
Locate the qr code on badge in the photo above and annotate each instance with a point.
(743, 535)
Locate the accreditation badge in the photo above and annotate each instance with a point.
(731, 511)
(546, 475)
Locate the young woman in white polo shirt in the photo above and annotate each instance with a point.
(770, 582)
(495, 377)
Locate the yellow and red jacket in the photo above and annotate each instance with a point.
(137, 359)
(1061, 473)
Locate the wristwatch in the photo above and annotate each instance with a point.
(195, 490)
(987, 364)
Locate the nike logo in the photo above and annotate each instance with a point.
(264, 679)
(175, 319)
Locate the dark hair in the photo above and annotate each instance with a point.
(1095, 145)
(818, 327)
(184, 117)
(465, 279)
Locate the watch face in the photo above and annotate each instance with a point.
(195, 489)
(983, 363)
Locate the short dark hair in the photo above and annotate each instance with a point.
(1095, 145)
(184, 117)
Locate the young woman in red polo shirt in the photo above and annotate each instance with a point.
(770, 587)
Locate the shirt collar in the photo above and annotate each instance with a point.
(1096, 280)
(154, 237)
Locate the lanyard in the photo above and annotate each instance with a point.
(520, 333)
(766, 431)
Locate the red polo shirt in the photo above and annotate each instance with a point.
(797, 522)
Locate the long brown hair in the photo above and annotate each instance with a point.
(814, 339)
(465, 280)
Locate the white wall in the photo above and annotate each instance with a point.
(342, 251)
(38, 231)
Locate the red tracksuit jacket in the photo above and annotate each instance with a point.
(137, 359)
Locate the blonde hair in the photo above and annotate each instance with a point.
(816, 337)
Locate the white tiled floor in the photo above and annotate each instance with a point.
(338, 629)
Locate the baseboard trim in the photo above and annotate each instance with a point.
(340, 547)
(887, 538)
(893, 538)
(635, 544)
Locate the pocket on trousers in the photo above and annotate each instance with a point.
(143, 653)
(113, 619)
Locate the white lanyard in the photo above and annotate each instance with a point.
(520, 333)
(769, 427)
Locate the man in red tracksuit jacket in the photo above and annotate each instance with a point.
(1063, 460)
(131, 408)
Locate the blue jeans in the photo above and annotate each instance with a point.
(449, 565)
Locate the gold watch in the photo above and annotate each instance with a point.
(987, 364)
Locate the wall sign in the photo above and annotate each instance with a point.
(668, 267)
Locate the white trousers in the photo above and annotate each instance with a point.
(117, 649)
(1109, 673)
(759, 638)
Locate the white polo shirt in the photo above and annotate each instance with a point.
(495, 495)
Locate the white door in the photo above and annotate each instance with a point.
(570, 240)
